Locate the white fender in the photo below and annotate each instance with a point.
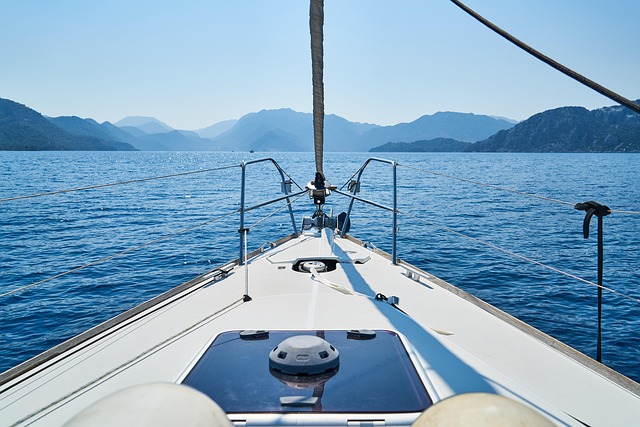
(155, 404)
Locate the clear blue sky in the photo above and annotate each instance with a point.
(192, 63)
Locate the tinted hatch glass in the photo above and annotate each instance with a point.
(375, 375)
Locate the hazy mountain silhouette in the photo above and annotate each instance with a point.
(459, 126)
(343, 135)
(566, 129)
(216, 129)
(570, 129)
(22, 128)
(340, 134)
(148, 125)
(437, 145)
(173, 140)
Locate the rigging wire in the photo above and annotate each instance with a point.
(126, 251)
(355, 173)
(291, 179)
(563, 69)
(39, 413)
(286, 205)
(508, 252)
(470, 181)
(497, 187)
(279, 199)
(112, 184)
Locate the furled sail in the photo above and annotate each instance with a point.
(316, 21)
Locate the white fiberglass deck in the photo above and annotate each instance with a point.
(457, 344)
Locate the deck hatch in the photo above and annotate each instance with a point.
(375, 376)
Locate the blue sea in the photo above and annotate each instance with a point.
(443, 222)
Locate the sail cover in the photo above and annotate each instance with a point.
(316, 22)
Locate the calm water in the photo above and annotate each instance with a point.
(44, 236)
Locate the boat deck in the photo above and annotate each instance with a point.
(458, 343)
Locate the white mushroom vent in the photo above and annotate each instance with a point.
(304, 355)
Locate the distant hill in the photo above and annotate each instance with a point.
(148, 125)
(132, 131)
(277, 140)
(22, 128)
(176, 140)
(566, 129)
(259, 131)
(438, 145)
(571, 130)
(89, 127)
(255, 128)
(216, 129)
(460, 126)
(117, 133)
(343, 135)
(267, 130)
(167, 141)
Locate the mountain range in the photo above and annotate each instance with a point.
(23, 129)
(565, 129)
(266, 130)
(569, 129)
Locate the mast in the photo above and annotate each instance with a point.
(318, 188)
(316, 22)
